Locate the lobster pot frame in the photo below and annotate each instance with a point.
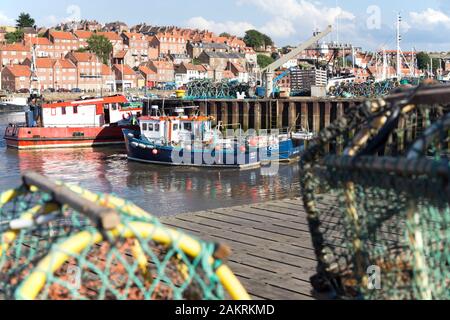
(61, 242)
(378, 202)
(381, 228)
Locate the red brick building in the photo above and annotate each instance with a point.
(82, 37)
(138, 45)
(14, 53)
(63, 42)
(149, 75)
(16, 77)
(55, 73)
(89, 68)
(44, 48)
(165, 70)
(125, 76)
(173, 42)
(115, 39)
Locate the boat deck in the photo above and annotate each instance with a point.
(272, 249)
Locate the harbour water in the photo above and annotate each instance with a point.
(160, 190)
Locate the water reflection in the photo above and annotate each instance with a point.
(159, 189)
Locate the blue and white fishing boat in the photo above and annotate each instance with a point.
(189, 141)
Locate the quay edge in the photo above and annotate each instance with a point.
(312, 114)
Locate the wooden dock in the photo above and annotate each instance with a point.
(272, 249)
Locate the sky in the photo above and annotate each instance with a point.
(366, 24)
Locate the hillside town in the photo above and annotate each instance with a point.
(169, 57)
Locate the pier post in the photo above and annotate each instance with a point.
(224, 112)
(246, 116)
(213, 110)
(203, 108)
(316, 116)
(235, 114)
(292, 116)
(280, 110)
(257, 115)
(304, 116)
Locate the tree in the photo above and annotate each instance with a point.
(264, 61)
(16, 36)
(25, 21)
(257, 40)
(424, 61)
(225, 34)
(101, 46)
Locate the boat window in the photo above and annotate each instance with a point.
(175, 127)
(144, 127)
(188, 126)
(75, 109)
(114, 106)
(63, 110)
(150, 127)
(157, 127)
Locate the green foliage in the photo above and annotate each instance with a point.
(225, 34)
(16, 36)
(101, 46)
(196, 61)
(424, 61)
(81, 49)
(264, 61)
(257, 40)
(25, 21)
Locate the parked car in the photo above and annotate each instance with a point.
(76, 90)
(23, 90)
(63, 90)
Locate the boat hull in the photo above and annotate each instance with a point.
(142, 151)
(50, 138)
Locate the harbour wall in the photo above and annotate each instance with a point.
(312, 114)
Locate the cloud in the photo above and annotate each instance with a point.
(73, 14)
(429, 19)
(233, 27)
(5, 20)
(302, 12)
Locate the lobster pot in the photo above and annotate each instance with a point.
(303, 80)
(380, 227)
(61, 242)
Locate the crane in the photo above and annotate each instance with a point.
(269, 71)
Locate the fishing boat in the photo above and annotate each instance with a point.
(190, 141)
(290, 145)
(87, 122)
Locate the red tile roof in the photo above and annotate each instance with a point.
(14, 47)
(39, 41)
(126, 69)
(48, 63)
(121, 54)
(106, 71)
(146, 70)
(138, 36)
(19, 70)
(61, 35)
(84, 56)
(82, 34)
(111, 36)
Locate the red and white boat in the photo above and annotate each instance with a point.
(71, 124)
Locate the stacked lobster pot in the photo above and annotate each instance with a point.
(377, 195)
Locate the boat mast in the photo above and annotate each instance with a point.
(399, 39)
